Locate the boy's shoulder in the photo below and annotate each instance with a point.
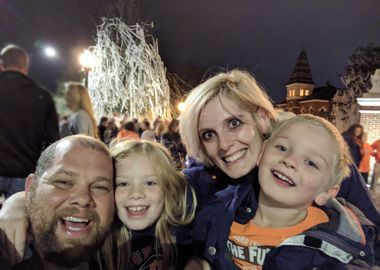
(346, 239)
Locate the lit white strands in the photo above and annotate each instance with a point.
(129, 75)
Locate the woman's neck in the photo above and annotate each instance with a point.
(269, 214)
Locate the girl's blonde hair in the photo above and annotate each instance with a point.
(237, 85)
(343, 157)
(177, 210)
(84, 102)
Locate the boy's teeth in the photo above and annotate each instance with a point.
(235, 156)
(76, 219)
(137, 208)
(283, 177)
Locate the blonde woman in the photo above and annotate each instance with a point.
(82, 120)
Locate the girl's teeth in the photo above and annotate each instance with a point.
(136, 208)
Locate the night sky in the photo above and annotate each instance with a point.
(201, 36)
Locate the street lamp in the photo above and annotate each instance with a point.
(87, 61)
(50, 52)
(181, 106)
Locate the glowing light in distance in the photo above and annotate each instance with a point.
(50, 52)
(181, 106)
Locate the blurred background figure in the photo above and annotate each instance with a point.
(353, 138)
(102, 127)
(376, 172)
(158, 131)
(172, 141)
(128, 132)
(82, 119)
(28, 120)
(111, 131)
(148, 133)
(366, 151)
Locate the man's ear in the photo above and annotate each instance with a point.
(29, 181)
(324, 196)
(264, 120)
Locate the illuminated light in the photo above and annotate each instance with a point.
(181, 106)
(369, 101)
(369, 111)
(87, 60)
(50, 52)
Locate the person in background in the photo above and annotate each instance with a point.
(353, 138)
(159, 130)
(156, 121)
(82, 120)
(148, 133)
(376, 172)
(111, 131)
(172, 141)
(28, 120)
(127, 132)
(366, 151)
(138, 127)
(102, 127)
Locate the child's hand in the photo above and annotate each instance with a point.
(196, 263)
(13, 222)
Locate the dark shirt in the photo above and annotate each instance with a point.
(28, 123)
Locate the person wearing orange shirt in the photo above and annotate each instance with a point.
(300, 172)
(366, 151)
(127, 132)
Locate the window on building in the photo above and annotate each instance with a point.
(306, 92)
(301, 92)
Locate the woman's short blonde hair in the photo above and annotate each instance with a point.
(343, 157)
(237, 85)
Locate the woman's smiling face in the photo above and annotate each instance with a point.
(230, 137)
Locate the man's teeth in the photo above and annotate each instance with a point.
(235, 156)
(283, 177)
(137, 208)
(76, 219)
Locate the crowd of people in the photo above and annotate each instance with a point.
(261, 189)
(356, 139)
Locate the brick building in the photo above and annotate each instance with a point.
(302, 97)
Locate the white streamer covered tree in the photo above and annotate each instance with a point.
(129, 76)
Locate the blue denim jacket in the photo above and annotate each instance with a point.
(238, 202)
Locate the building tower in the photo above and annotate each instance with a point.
(300, 84)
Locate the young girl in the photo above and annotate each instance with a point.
(153, 203)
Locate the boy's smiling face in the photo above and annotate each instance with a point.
(297, 166)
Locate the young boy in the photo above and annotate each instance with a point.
(300, 171)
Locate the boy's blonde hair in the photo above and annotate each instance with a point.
(343, 157)
(238, 86)
(176, 212)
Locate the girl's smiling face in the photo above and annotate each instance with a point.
(138, 196)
